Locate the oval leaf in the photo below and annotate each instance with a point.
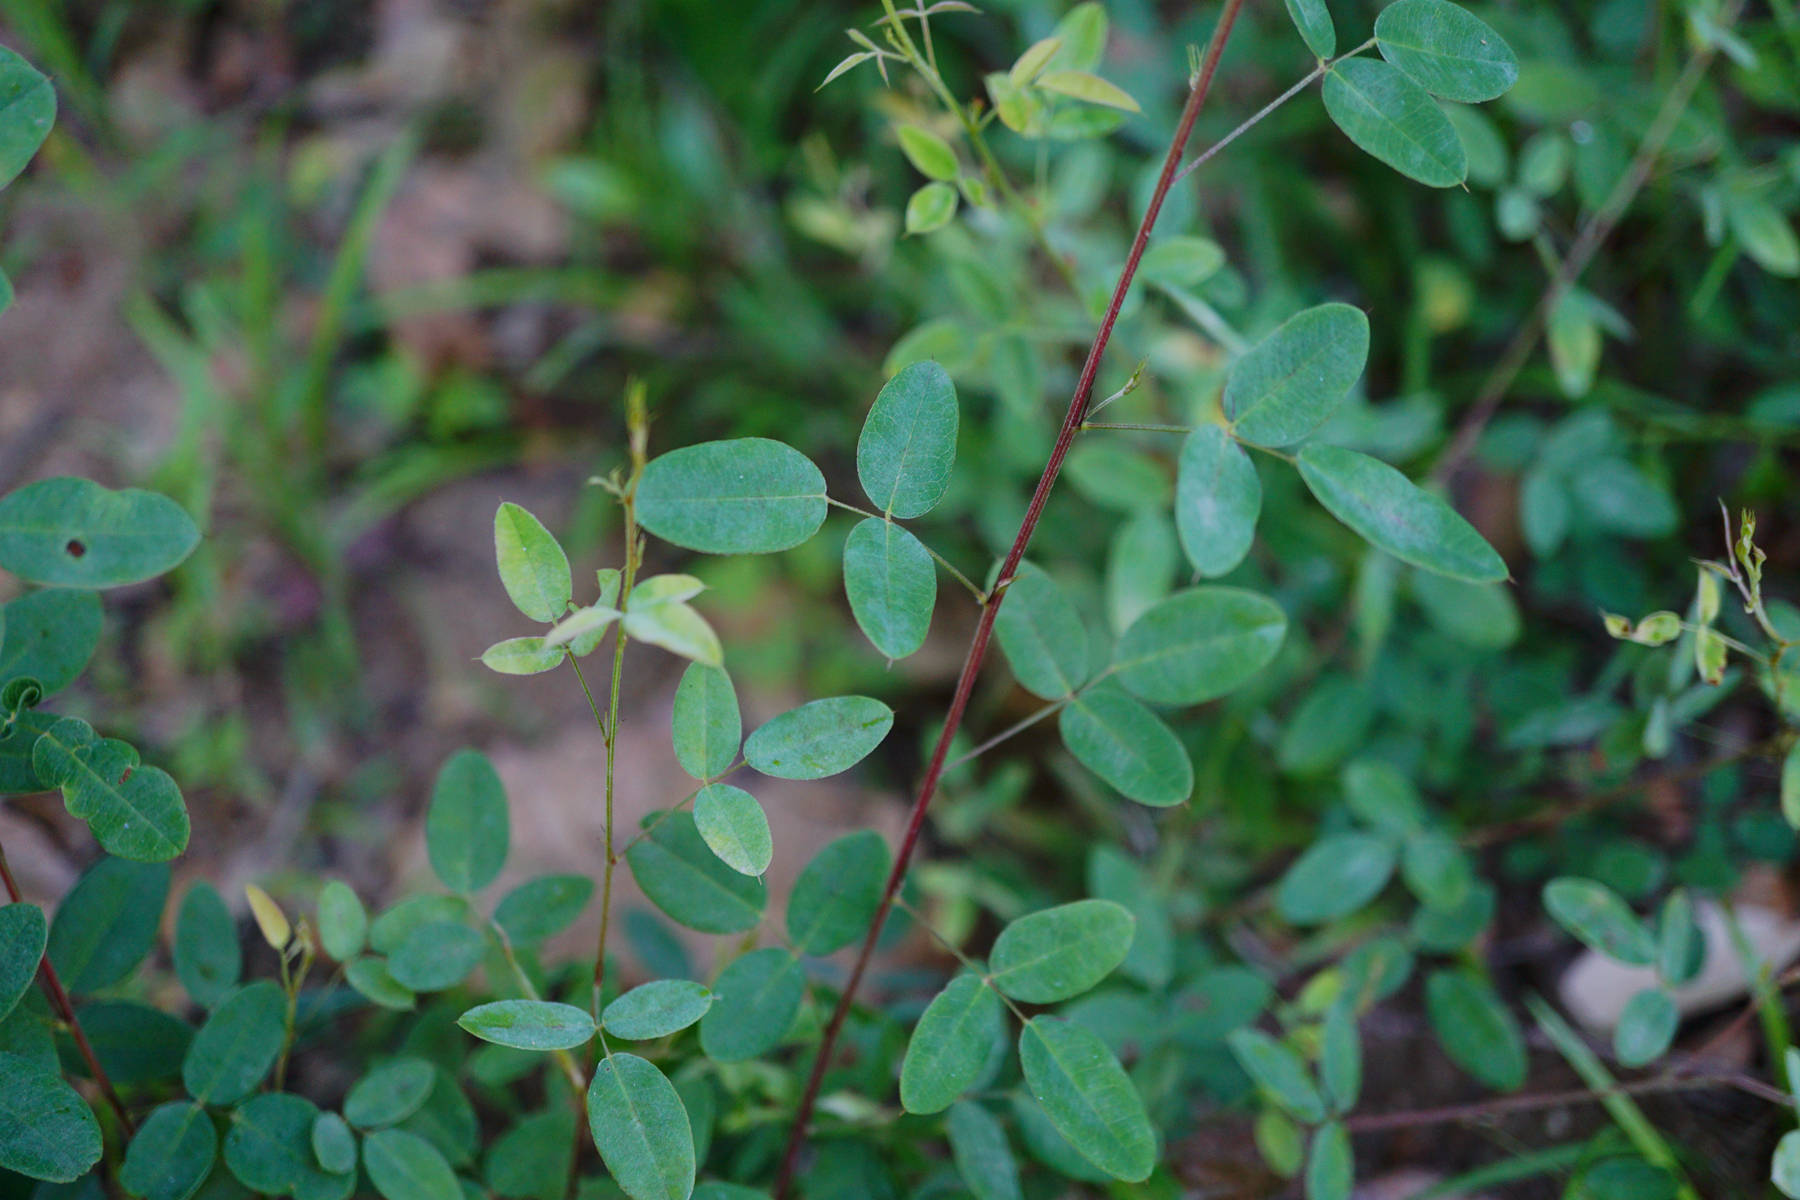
(50, 1133)
(135, 811)
(1088, 1097)
(1398, 516)
(1061, 952)
(1313, 21)
(1199, 644)
(735, 827)
(1477, 1031)
(908, 441)
(950, 1045)
(820, 738)
(172, 1153)
(1646, 1027)
(1335, 877)
(50, 635)
(404, 1166)
(1128, 746)
(1218, 498)
(529, 1024)
(390, 1093)
(758, 997)
(533, 567)
(72, 532)
(1288, 384)
(891, 583)
(836, 894)
(1395, 120)
(707, 728)
(466, 829)
(27, 110)
(656, 1009)
(542, 907)
(1446, 50)
(683, 877)
(745, 496)
(1594, 913)
(641, 1128)
(1041, 634)
(237, 1046)
(107, 923)
(23, 932)
(1279, 1072)
(208, 957)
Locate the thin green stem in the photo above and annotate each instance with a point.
(571, 1070)
(980, 596)
(1140, 428)
(1269, 450)
(1260, 115)
(973, 966)
(1011, 731)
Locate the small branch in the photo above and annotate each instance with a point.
(1011, 731)
(1488, 1110)
(980, 596)
(1260, 115)
(1140, 428)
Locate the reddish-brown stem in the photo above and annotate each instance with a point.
(984, 627)
(59, 999)
(1489, 1110)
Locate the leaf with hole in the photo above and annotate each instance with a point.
(819, 738)
(69, 532)
(908, 440)
(529, 1024)
(1128, 746)
(1289, 383)
(1199, 644)
(656, 1009)
(1394, 514)
(1446, 50)
(837, 892)
(134, 811)
(1218, 498)
(735, 827)
(950, 1045)
(745, 496)
(1041, 635)
(641, 1129)
(686, 880)
(1395, 120)
(171, 1154)
(1061, 952)
(891, 584)
(466, 827)
(706, 726)
(1088, 1097)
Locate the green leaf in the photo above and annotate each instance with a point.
(1476, 1029)
(1128, 746)
(908, 440)
(1313, 21)
(107, 923)
(836, 894)
(343, 921)
(533, 567)
(580, 631)
(1289, 383)
(1764, 233)
(16, 774)
(134, 811)
(172, 1153)
(1340, 1057)
(656, 1009)
(735, 827)
(72, 532)
(1218, 498)
(1181, 259)
(677, 628)
(930, 208)
(1784, 1171)
(641, 1128)
(1141, 562)
(543, 907)
(136, 1044)
(891, 583)
(529, 1024)
(983, 1158)
(1117, 476)
(1061, 952)
(756, 1000)
(1336, 876)
(50, 635)
(747, 496)
(1395, 120)
(950, 1045)
(22, 938)
(269, 1149)
(1680, 946)
(1436, 870)
(1036, 57)
(1088, 1097)
(27, 110)
(466, 829)
(1482, 615)
(1790, 786)
(1446, 50)
(707, 727)
(237, 1046)
(1596, 915)
(1394, 514)
(404, 1166)
(1330, 1167)
(436, 956)
(389, 1093)
(1087, 88)
(372, 980)
(1041, 634)
(1646, 1026)
(531, 1158)
(46, 1129)
(927, 152)
(1381, 796)
(1279, 1072)
(820, 738)
(333, 1144)
(1199, 644)
(683, 877)
(208, 958)
(522, 656)
(1114, 875)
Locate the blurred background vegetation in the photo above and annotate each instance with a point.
(339, 275)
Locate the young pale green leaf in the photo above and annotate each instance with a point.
(735, 827)
(107, 923)
(522, 656)
(171, 1154)
(908, 441)
(27, 110)
(891, 583)
(1784, 1170)
(950, 1045)
(1218, 498)
(656, 1009)
(835, 895)
(757, 998)
(71, 532)
(1396, 515)
(930, 208)
(436, 955)
(1330, 1166)
(1087, 88)
(389, 1093)
(1340, 1057)
(706, 726)
(405, 1166)
(746, 496)
(22, 937)
(1446, 50)
(1336, 876)
(928, 153)
(1199, 644)
(683, 877)
(533, 567)
(1477, 1031)
(1395, 120)
(373, 982)
(1279, 1072)
(529, 1024)
(983, 1158)
(343, 921)
(1313, 21)
(134, 811)
(583, 627)
(47, 1130)
(333, 1143)
(1128, 746)
(819, 738)
(208, 958)
(1088, 1097)
(50, 635)
(542, 907)
(1646, 1026)
(1289, 383)
(1596, 915)
(1041, 635)
(466, 828)
(679, 629)
(269, 1149)
(237, 1045)
(641, 1128)
(1061, 952)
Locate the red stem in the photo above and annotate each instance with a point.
(984, 627)
(59, 999)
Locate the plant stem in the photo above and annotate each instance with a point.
(563, 1058)
(980, 596)
(984, 628)
(1011, 731)
(1500, 1106)
(59, 1000)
